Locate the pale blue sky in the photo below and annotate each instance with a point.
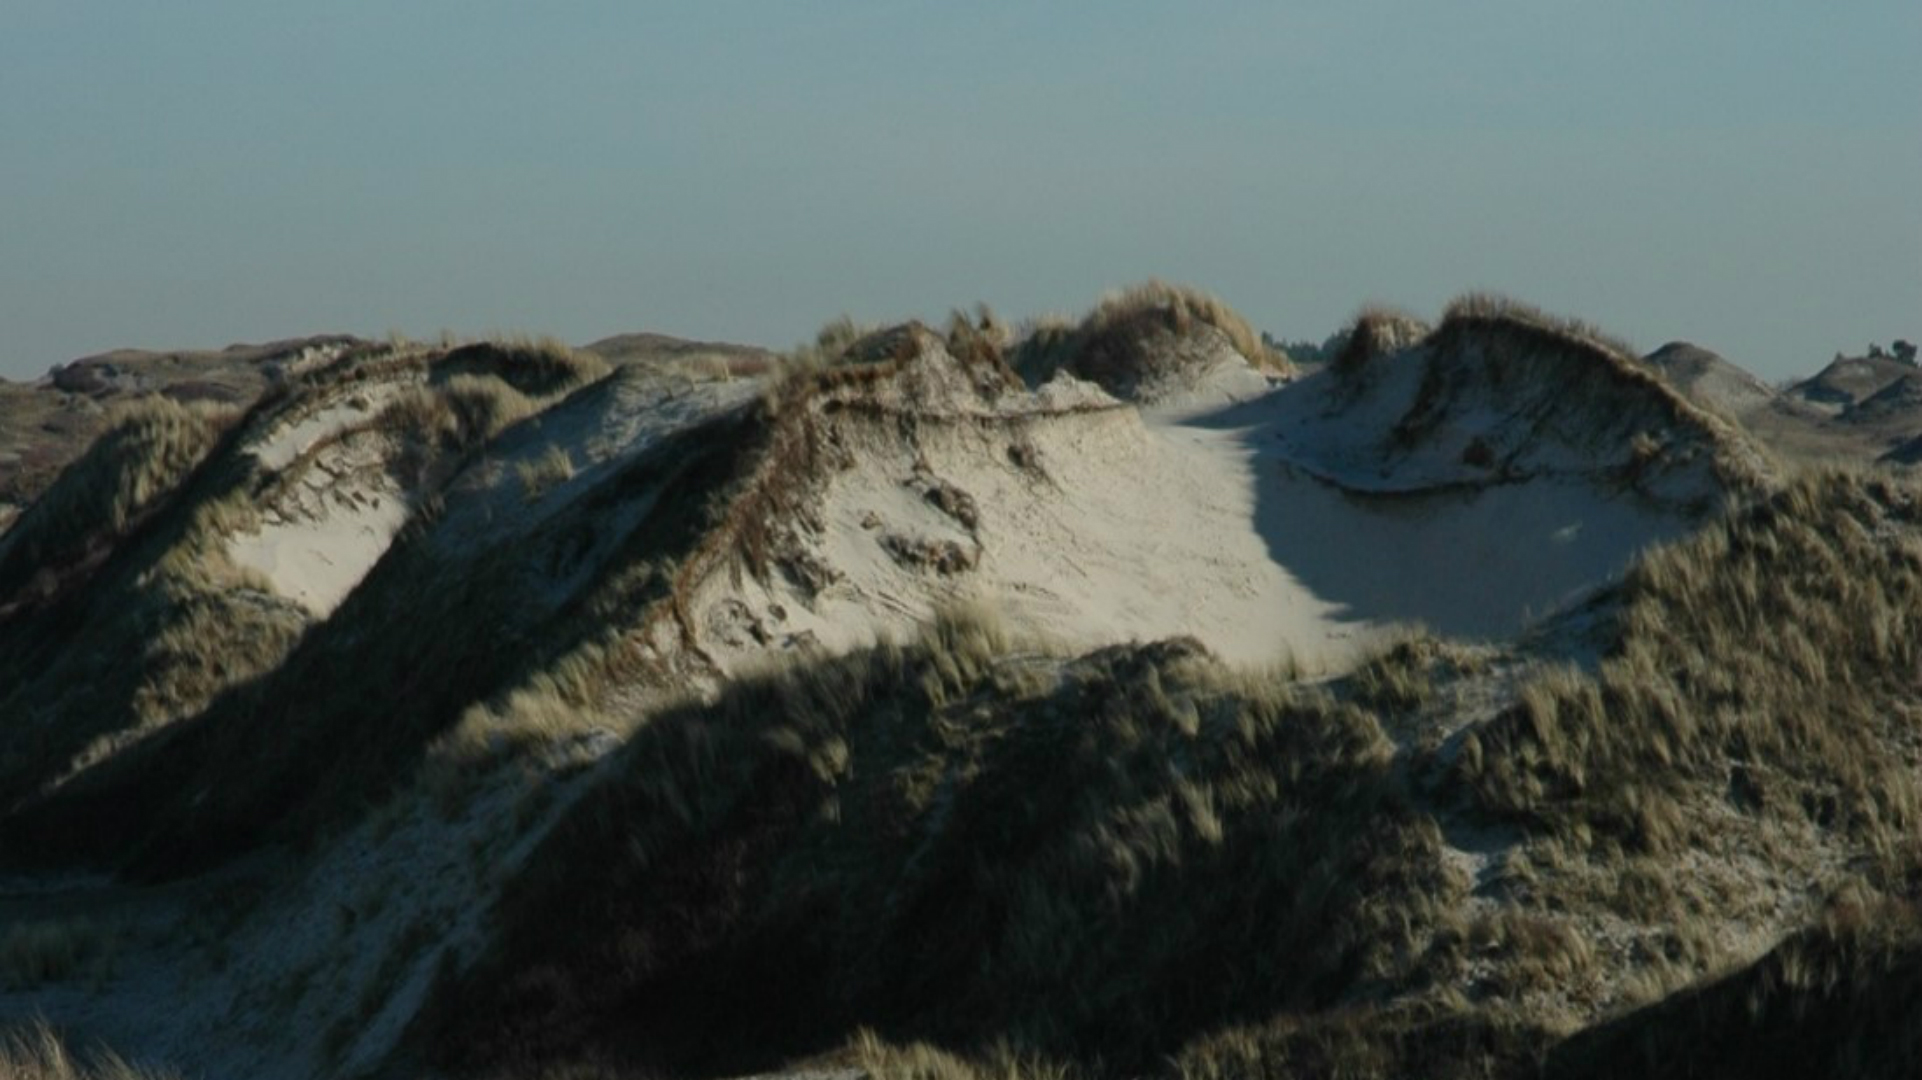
(1745, 175)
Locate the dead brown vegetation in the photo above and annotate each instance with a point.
(536, 367)
(1493, 310)
(1377, 331)
(1132, 338)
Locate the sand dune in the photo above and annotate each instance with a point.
(539, 559)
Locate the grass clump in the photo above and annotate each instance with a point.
(37, 1052)
(149, 447)
(1494, 310)
(1377, 331)
(540, 475)
(533, 366)
(836, 341)
(1178, 309)
(1761, 661)
(923, 842)
(463, 412)
(1140, 337)
(883, 1060)
(1367, 1042)
(1401, 676)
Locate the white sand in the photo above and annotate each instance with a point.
(278, 447)
(1201, 516)
(339, 514)
(316, 561)
(1133, 536)
(599, 430)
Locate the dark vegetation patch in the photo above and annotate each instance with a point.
(1376, 332)
(929, 845)
(134, 622)
(1371, 1043)
(536, 368)
(1843, 998)
(652, 348)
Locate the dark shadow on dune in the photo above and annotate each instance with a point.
(1835, 1000)
(1474, 563)
(865, 842)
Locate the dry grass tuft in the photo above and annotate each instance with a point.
(1762, 660)
(539, 367)
(882, 1060)
(149, 447)
(1178, 309)
(836, 343)
(37, 1052)
(1370, 1043)
(1493, 309)
(1129, 339)
(541, 475)
(464, 412)
(1377, 331)
(1399, 678)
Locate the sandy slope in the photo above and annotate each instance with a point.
(1126, 531)
(1711, 381)
(319, 539)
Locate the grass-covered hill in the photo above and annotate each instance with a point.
(985, 700)
(46, 423)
